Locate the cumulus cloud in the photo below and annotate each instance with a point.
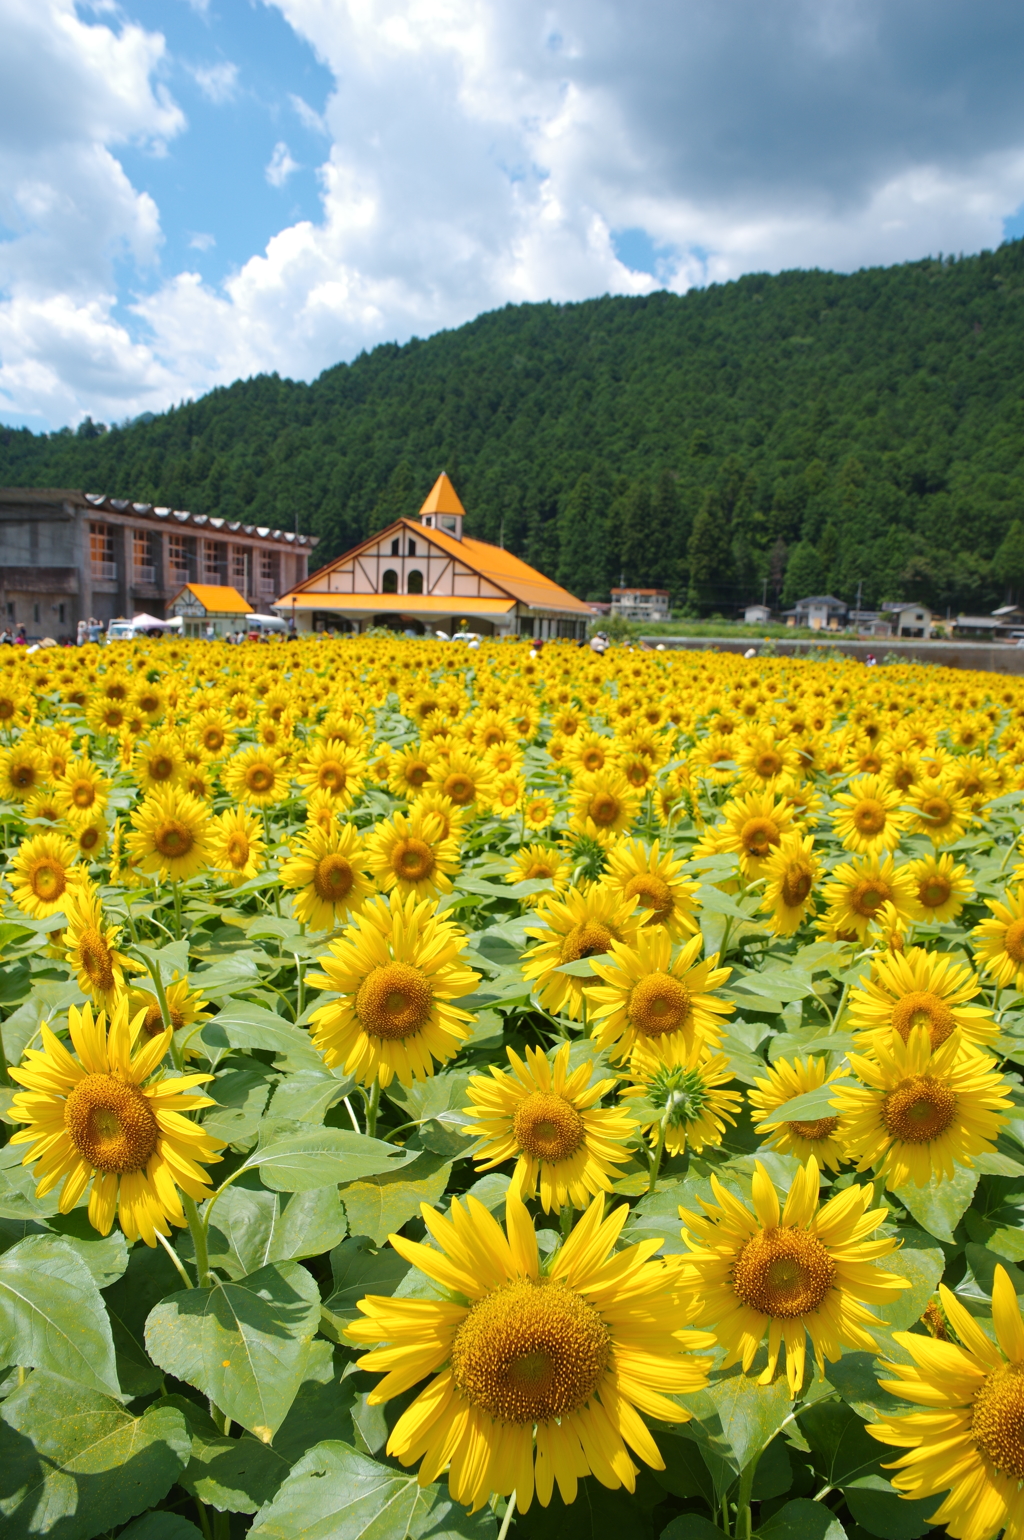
(218, 82)
(480, 152)
(281, 165)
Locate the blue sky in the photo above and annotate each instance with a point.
(193, 191)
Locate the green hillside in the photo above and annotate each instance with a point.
(814, 430)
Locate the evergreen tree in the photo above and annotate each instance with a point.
(1008, 562)
(581, 541)
(804, 573)
(636, 556)
(665, 533)
(710, 559)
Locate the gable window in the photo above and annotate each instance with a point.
(415, 585)
(412, 548)
(396, 547)
(389, 582)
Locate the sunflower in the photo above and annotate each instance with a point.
(410, 852)
(869, 820)
(940, 811)
(91, 1119)
(81, 792)
(237, 845)
(942, 888)
(856, 891)
(411, 770)
(326, 868)
(150, 699)
(603, 805)
(714, 759)
(42, 805)
(921, 1111)
(334, 768)
(915, 988)
(999, 949)
(397, 969)
(538, 811)
(664, 896)
(378, 766)
(762, 759)
(790, 1272)
(171, 834)
(587, 753)
(783, 1080)
(791, 872)
(754, 825)
(23, 772)
(42, 872)
(185, 1006)
(548, 1121)
(159, 762)
(504, 759)
(645, 996)
(538, 1376)
(534, 863)
(256, 776)
(452, 819)
(464, 778)
(578, 925)
(686, 1085)
(968, 1440)
(92, 948)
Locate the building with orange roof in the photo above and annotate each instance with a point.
(205, 605)
(429, 576)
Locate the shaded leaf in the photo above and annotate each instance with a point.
(233, 1475)
(841, 1447)
(939, 1207)
(358, 1270)
(802, 1519)
(381, 1204)
(52, 1314)
(921, 1263)
(308, 1097)
(738, 1417)
(106, 1256)
(854, 1377)
(251, 1227)
(692, 1526)
(149, 1277)
(75, 1462)
(244, 1344)
(161, 1526)
(243, 1025)
(297, 1157)
(880, 1509)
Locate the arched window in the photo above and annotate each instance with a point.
(412, 548)
(389, 582)
(415, 582)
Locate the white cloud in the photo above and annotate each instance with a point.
(481, 152)
(218, 82)
(280, 165)
(202, 240)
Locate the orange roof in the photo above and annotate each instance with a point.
(394, 604)
(442, 497)
(217, 600)
(523, 582)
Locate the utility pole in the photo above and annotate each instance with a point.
(860, 586)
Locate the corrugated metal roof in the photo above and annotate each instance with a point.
(216, 599)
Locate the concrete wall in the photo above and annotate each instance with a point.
(989, 657)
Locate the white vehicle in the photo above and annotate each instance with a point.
(265, 623)
(466, 636)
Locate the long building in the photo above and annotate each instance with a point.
(429, 576)
(67, 556)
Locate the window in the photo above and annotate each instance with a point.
(389, 582)
(412, 548)
(60, 613)
(181, 552)
(268, 572)
(101, 551)
(415, 584)
(35, 613)
(215, 565)
(449, 523)
(396, 546)
(239, 568)
(143, 562)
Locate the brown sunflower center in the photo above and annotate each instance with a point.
(767, 764)
(333, 878)
(903, 777)
(796, 885)
(153, 1024)
(587, 939)
(412, 860)
(394, 1001)
(89, 838)
(604, 808)
(538, 871)
(111, 1124)
(213, 739)
(96, 960)
(933, 891)
(548, 1127)
(868, 896)
(460, 788)
(530, 1351)
(237, 850)
(821, 1128)
(923, 1009)
(869, 816)
(418, 772)
(24, 776)
(592, 759)
(998, 1422)
(259, 778)
(758, 835)
(937, 812)
(659, 1004)
(919, 1109)
(161, 768)
(783, 1272)
(653, 893)
(1013, 941)
(331, 776)
(173, 839)
(48, 880)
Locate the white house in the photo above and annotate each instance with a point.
(641, 603)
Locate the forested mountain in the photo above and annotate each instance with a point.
(808, 432)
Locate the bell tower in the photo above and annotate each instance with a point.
(442, 509)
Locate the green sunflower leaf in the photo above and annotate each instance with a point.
(52, 1314)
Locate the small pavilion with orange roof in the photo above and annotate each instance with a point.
(429, 576)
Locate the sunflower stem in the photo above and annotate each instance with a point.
(176, 1260)
(372, 1106)
(744, 1526)
(177, 911)
(198, 1232)
(204, 1518)
(177, 1058)
(507, 1520)
(300, 987)
(658, 1151)
(351, 1112)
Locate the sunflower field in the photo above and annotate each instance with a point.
(478, 1094)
